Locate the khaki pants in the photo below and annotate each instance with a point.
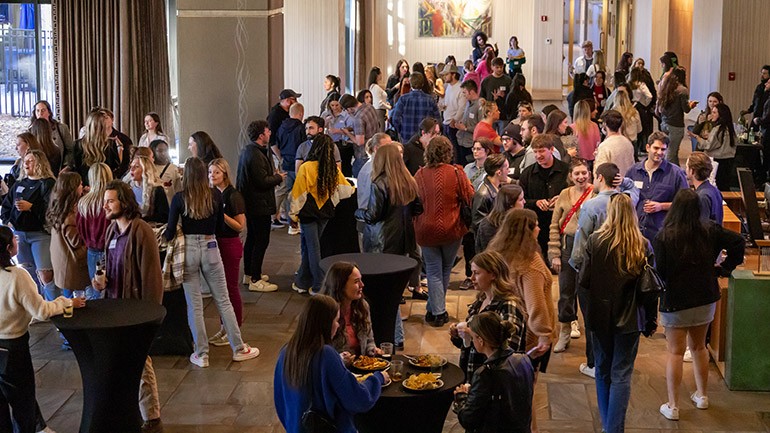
(149, 403)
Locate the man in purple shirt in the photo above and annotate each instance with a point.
(412, 108)
(658, 182)
(133, 272)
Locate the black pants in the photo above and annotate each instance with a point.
(346, 157)
(257, 240)
(469, 251)
(17, 388)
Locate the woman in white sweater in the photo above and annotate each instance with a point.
(379, 96)
(19, 303)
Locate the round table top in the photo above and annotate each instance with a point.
(373, 263)
(111, 313)
(451, 375)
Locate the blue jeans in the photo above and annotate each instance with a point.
(438, 267)
(310, 274)
(358, 163)
(399, 337)
(35, 254)
(201, 257)
(614, 355)
(94, 257)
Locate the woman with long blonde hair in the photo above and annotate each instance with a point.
(90, 149)
(632, 123)
(228, 236)
(614, 258)
(91, 221)
(148, 190)
(491, 277)
(201, 211)
(587, 132)
(517, 241)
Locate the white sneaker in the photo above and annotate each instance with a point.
(246, 279)
(265, 277)
(261, 286)
(687, 355)
(669, 412)
(701, 402)
(298, 289)
(294, 231)
(46, 430)
(588, 371)
(200, 361)
(575, 333)
(219, 339)
(245, 353)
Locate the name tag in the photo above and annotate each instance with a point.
(19, 189)
(113, 244)
(471, 115)
(639, 184)
(211, 245)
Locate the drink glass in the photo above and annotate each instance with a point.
(397, 370)
(68, 308)
(79, 294)
(387, 350)
(436, 367)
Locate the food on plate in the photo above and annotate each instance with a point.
(369, 363)
(423, 382)
(428, 360)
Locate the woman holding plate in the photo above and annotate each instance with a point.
(354, 336)
(491, 278)
(499, 397)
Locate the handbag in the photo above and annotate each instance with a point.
(314, 420)
(466, 213)
(649, 281)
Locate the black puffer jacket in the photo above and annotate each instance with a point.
(500, 398)
(257, 180)
(389, 228)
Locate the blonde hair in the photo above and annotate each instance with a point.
(224, 167)
(515, 239)
(42, 168)
(198, 200)
(494, 263)
(599, 62)
(489, 107)
(583, 117)
(402, 188)
(150, 181)
(95, 139)
(99, 175)
(626, 108)
(621, 229)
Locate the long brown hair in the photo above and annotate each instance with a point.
(494, 263)
(515, 239)
(668, 90)
(621, 229)
(313, 332)
(334, 285)
(198, 200)
(41, 129)
(388, 162)
(506, 199)
(64, 199)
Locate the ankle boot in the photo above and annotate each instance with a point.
(564, 338)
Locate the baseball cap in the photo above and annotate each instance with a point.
(288, 93)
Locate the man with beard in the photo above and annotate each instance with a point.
(314, 125)
(513, 150)
(133, 272)
(531, 126)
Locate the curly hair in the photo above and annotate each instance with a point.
(439, 151)
(322, 151)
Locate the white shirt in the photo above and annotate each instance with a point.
(379, 97)
(618, 150)
(20, 302)
(580, 65)
(455, 103)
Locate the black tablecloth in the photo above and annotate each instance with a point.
(385, 277)
(340, 235)
(111, 339)
(399, 410)
(174, 336)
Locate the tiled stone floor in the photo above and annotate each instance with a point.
(231, 397)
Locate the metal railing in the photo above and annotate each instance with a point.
(20, 63)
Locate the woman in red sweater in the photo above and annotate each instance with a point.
(439, 229)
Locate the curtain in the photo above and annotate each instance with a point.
(112, 53)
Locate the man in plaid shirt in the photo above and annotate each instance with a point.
(365, 125)
(412, 107)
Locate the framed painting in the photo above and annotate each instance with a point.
(453, 18)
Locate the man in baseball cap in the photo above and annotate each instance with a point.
(513, 149)
(280, 112)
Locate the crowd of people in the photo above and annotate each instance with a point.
(441, 157)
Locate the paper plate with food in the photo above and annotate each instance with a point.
(422, 382)
(370, 363)
(362, 377)
(426, 361)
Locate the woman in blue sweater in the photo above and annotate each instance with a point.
(310, 373)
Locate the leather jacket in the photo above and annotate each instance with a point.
(389, 228)
(483, 200)
(500, 398)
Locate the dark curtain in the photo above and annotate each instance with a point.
(112, 53)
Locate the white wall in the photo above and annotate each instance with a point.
(395, 27)
(707, 43)
(650, 32)
(314, 46)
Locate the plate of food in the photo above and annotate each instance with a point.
(362, 377)
(422, 382)
(370, 363)
(426, 361)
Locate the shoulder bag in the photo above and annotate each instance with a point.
(649, 281)
(314, 420)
